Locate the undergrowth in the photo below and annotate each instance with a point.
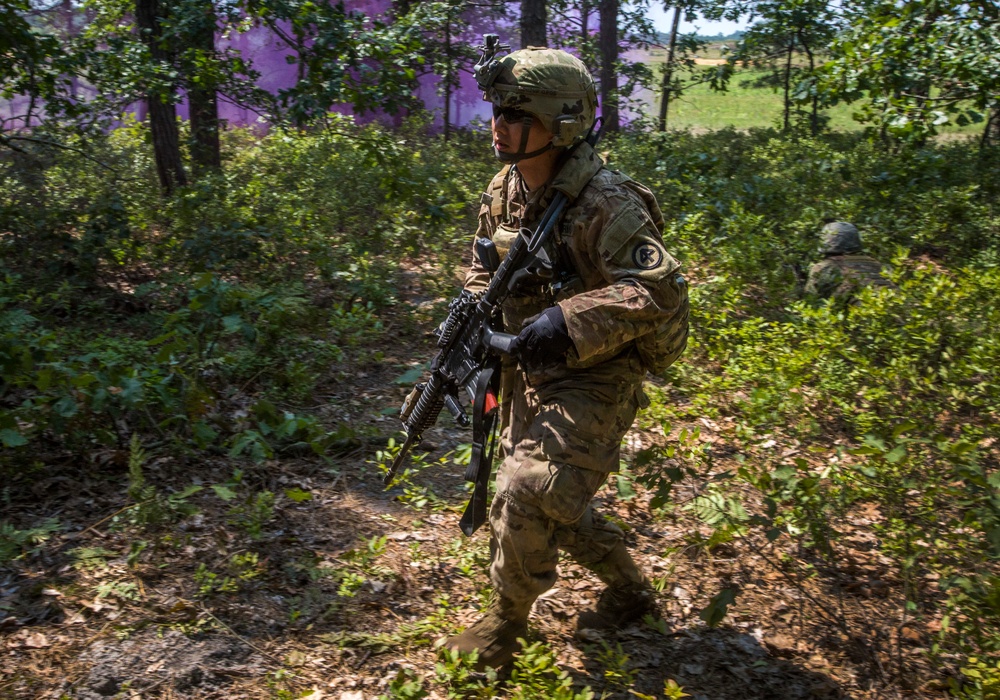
(208, 323)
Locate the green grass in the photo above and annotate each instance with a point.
(740, 106)
(744, 107)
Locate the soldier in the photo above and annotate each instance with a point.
(844, 269)
(613, 307)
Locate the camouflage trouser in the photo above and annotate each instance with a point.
(560, 440)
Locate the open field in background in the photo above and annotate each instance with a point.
(741, 106)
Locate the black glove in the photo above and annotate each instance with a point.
(543, 340)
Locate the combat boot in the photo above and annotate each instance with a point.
(627, 598)
(495, 634)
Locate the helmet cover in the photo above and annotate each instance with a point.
(550, 84)
(840, 238)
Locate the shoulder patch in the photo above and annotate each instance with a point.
(647, 256)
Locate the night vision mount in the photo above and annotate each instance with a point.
(489, 67)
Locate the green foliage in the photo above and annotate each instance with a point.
(119, 590)
(982, 679)
(206, 323)
(715, 612)
(671, 691)
(676, 460)
(253, 283)
(405, 685)
(615, 661)
(786, 40)
(470, 557)
(535, 674)
(455, 671)
(242, 567)
(91, 558)
(152, 508)
(419, 632)
(913, 88)
(15, 543)
(901, 379)
(253, 512)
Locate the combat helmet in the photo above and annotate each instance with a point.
(550, 85)
(840, 238)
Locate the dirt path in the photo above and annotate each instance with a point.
(331, 587)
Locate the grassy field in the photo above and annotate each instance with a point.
(742, 106)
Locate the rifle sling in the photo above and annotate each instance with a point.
(483, 444)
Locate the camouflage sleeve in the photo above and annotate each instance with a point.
(477, 278)
(824, 278)
(642, 291)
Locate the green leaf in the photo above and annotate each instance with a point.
(12, 438)
(65, 407)
(132, 390)
(874, 442)
(784, 473)
(203, 433)
(44, 379)
(224, 492)
(715, 612)
(184, 493)
(232, 323)
(625, 490)
(411, 376)
(298, 495)
(896, 454)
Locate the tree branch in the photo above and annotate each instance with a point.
(6, 141)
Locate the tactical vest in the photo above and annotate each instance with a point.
(657, 349)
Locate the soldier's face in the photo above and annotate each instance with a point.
(508, 130)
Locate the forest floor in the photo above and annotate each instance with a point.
(304, 577)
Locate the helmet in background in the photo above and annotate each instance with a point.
(840, 238)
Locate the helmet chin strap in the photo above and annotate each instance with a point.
(520, 154)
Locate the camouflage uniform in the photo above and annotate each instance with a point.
(562, 425)
(841, 276)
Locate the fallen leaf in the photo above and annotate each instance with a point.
(35, 641)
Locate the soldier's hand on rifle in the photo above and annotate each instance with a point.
(544, 339)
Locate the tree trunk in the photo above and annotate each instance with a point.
(68, 14)
(608, 43)
(814, 101)
(668, 69)
(788, 87)
(162, 111)
(203, 99)
(447, 75)
(991, 134)
(533, 30)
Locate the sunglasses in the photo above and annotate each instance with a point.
(510, 114)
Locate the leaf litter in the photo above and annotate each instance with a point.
(332, 593)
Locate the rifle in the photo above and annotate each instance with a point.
(470, 343)
(468, 356)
